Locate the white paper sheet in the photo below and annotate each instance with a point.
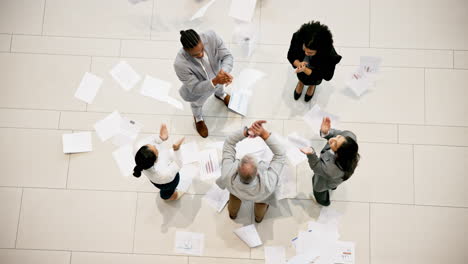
(136, 1)
(298, 141)
(370, 64)
(245, 35)
(175, 103)
(124, 75)
(109, 126)
(88, 88)
(127, 133)
(125, 159)
(189, 153)
(295, 156)
(287, 183)
(254, 146)
(249, 235)
(217, 198)
(314, 118)
(242, 9)
(187, 174)
(329, 216)
(239, 102)
(345, 253)
(201, 12)
(275, 255)
(359, 83)
(155, 88)
(189, 243)
(77, 142)
(210, 165)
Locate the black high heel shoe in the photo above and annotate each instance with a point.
(297, 95)
(308, 97)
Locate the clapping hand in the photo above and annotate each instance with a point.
(223, 78)
(301, 67)
(307, 150)
(178, 143)
(258, 130)
(326, 125)
(163, 133)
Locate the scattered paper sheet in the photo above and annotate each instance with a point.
(187, 174)
(189, 243)
(359, 83)
(175, 103)
(201, 12)
(370, 64)
(275, 255)
(109, 126)
(242, 9)
(127, 133)
(125, 160)
(287, 183)
(303, 258)
(239, 102)
(189, 152)
(155, 88)
(77, 142)
(254, 146)
(329, 216)
(345, 253)
(216, 145)
(89, 86)
(314, 118)
(298, 141)
(124, 74)
(245, 35)
(210, 166)
(217, 198)
(249, 235)
(185, 180)
(295, 156)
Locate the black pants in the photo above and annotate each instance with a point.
(309, 79)
(322, 198)
(167, 189)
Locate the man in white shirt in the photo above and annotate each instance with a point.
(203, 66)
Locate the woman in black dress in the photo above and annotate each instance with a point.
(313, 56)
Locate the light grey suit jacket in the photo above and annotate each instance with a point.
(327, 174)
(262, 188)
(190, 72)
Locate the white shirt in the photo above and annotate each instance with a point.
(167, 165)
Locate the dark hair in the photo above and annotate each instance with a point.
(347, 157)
(316, 36)
(189, 38)
(144, 159)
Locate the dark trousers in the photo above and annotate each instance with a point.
(322, 198)
(309, 79)
(167, 189)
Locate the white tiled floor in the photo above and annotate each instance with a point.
(406, 203)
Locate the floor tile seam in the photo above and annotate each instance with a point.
(151, 23)
(370, 19)
(414, 178)
(43, 16)
(135, 222)
(424, 97)
(19, 217)
(258, 43)
(68, 169)
(269, 62)
(370, 236)
(194, 134)
(11, 42)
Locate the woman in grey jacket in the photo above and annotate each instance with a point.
(335, 163)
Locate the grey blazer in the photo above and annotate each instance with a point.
(190, 72)
(327, 174)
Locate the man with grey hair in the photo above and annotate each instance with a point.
(247, 179)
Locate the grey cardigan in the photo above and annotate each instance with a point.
(327, 174)
(260, 190)
(190, 72)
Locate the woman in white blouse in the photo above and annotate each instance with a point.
(161, 165)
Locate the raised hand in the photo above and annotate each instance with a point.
(326, 125)
(307, 150)
(222, 78)
(259, 130)
(178, 143)
(163, 133)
